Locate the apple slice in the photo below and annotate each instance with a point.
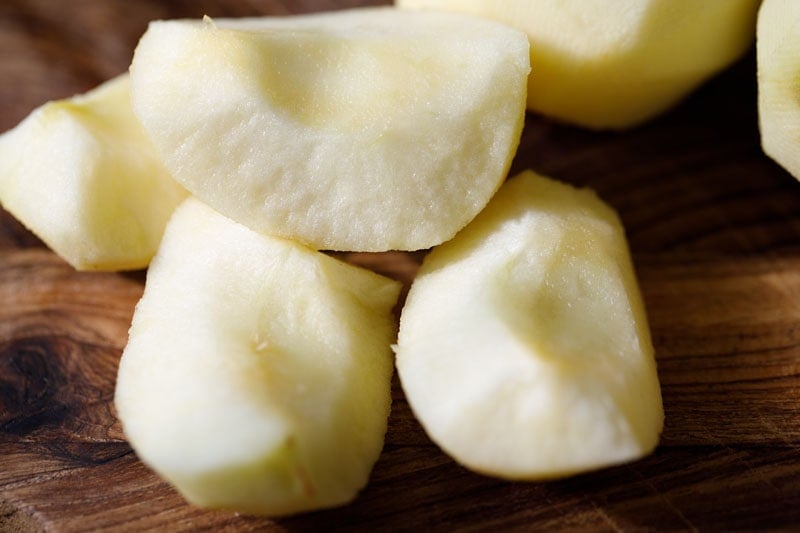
(778, 58)
(524, 348)
(362, 130)
(616, 64)
(257, 374)
(82, 175)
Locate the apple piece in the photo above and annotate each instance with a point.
(257, 375)
(524, 349)
(83, 176)
(614, 65)
(361, 130)
(778, 53)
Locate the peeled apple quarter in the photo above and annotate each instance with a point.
(257, 374)
(361, 130)
(83, 176)
(524, 349)
(614, 64)
(778, 58)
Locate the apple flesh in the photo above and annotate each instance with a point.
(778, 59)
(361, 130)
(613, 65)
(83, 176)
(524, 349)
(257, 374)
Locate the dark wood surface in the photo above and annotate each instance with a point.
(714, 227)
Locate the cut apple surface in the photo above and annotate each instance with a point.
(615, 64)
(362, 130)
(524, 349)
(778, 58)
(257, 374)
(83, 176)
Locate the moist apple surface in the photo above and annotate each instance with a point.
(362, 130)
(616, 64)
(83, 176)
(257, 374)
(524, 349)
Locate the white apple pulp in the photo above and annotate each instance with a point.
(257, 374)
(778, 53)
(617, 63)
(524, 348)
(362, 130)
(83, 176)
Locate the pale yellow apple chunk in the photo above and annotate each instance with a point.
(257, 374)
(83, 176)
(362, 130)
(612, 64)
(778, 58)
(524, 349)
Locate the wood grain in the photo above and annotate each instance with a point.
(714, 227)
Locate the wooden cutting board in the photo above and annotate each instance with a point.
(714, 226)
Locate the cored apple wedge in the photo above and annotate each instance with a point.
(524, 348)
(615, 64)
(778, 57)
(257, 373)
(362, 130)
(83, 176)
